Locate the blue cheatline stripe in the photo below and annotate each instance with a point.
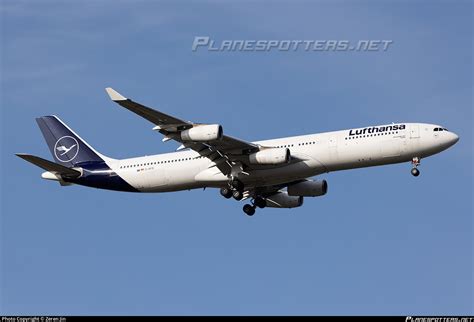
(99, 175)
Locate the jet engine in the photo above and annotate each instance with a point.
(308, 188)
(271, 156)
(281, 199)
(203, 133)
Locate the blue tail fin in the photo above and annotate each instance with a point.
(66, 146)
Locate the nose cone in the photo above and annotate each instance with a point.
(453, 139)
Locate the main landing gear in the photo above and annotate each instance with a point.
(257, 202)
(226, 192)
(237, 194)
(249, 209)
(414, 170)
(235, 189)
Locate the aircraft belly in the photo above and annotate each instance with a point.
(358, 154)
(211, 177)
(284, 174)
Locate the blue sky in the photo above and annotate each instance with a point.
(380, 241)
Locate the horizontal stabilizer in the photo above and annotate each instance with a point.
(50, 166)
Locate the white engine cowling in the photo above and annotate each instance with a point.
(203, 133)
(271, 156)
(281, 199)
(308, 188)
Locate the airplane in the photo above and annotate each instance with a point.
(273, 173)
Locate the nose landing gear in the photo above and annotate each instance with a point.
(415, 172)
(415, 163)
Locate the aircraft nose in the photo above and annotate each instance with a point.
(453, 138)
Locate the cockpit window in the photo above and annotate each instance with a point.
(445, 129)
(436, 129)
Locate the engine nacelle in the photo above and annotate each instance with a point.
(281, 199)
(308, 188)
(203, 133)
(271, 156)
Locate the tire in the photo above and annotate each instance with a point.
(226, 192)
(237, 194)
(249, 210)
(237, 184)
(415, 172)
(260, 202)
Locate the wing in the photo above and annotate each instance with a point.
(227, 152)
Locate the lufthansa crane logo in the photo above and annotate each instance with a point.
(66, 149)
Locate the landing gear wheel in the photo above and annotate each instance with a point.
(226, 192)
(259, 202)
(249, 210)
(415, 162)
(237, 184)
(237, 194)
(415, 172)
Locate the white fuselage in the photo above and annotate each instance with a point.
(319, 153)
